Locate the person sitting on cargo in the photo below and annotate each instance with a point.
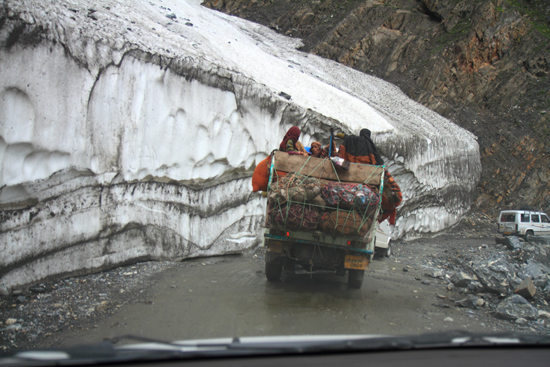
(317, 150)
(391, 198)
(290, 142)
(359, 149)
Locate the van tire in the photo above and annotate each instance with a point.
(528, 234)
(387, 251)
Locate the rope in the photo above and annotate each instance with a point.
(306, 215)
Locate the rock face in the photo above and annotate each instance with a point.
(129, 131)
(483, 64)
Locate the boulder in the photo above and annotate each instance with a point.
(435, 272)
(495, 274)
(526, 289)
(540, 281)
(470, 302)
(515, 307)
(513, 243)
(533, 270)
(461, 279)
(500, 240)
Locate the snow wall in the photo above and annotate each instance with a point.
(129, 132)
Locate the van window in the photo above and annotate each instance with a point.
(525, 217)
(535, 218)
(544, 219)
(508, 217)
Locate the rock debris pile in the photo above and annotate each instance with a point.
(510, 279)
(35, 313)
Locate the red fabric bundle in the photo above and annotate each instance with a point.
(260, 177)
(391, 198)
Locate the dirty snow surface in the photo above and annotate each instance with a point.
(129, 131)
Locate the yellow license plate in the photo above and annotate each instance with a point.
(507, 232)
(355, 262)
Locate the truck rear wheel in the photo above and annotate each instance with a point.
(273, 269)
(355, 278)
(528, 234)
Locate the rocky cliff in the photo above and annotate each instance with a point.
(483, 64)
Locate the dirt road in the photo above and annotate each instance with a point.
(230, 296)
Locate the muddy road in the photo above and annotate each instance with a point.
(230, 296)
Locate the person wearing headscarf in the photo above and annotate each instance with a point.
(360, 149)
(318, 151)
(290, 142)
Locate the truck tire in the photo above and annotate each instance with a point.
(355, 278)
(528, 234)
(273, 269)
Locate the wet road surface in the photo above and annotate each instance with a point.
(230, 296)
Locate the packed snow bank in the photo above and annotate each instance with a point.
(129, 131)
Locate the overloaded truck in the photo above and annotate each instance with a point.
(321, 215)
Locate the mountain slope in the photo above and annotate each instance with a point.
(483, 64)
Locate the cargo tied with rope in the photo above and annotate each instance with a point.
(314, 195)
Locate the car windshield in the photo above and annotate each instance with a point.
(199, 169)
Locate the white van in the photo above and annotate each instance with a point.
(523, 223)
(382, 240)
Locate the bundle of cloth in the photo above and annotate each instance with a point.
(298, 202)
(343, 222)
(295, 187)
(353, 196)
(296, 216)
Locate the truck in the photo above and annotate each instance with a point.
(321, 215)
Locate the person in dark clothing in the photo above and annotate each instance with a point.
(360, 149)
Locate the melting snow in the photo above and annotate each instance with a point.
(128, 134)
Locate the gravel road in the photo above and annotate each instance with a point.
(229, 296)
